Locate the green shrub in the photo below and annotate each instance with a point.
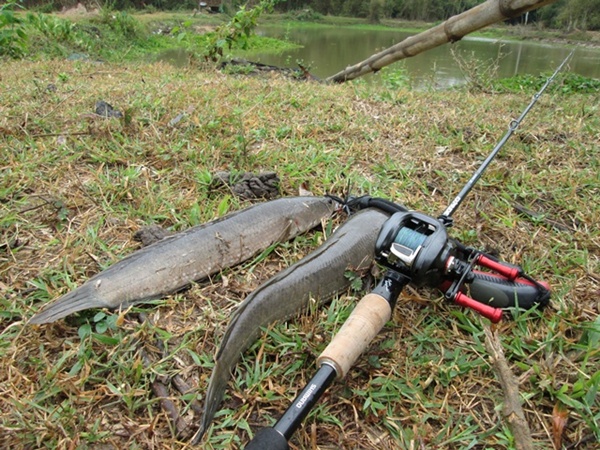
(52, 27)
(125, 24)
(304, 15)
(571, 83)
(58, 30)
(13, 37)
(120, 22)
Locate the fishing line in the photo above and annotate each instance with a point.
(410, 238)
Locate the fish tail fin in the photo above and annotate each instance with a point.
(84, 297)
(199, 434)
(214, 397)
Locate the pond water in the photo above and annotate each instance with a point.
(327, 51)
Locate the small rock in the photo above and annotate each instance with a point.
(151, 234)
(106, 110)
(262, 185)
(249, 185)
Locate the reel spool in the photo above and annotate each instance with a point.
(415, 245)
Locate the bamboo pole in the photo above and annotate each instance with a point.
(452, 30)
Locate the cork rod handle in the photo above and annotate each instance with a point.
(364, 323)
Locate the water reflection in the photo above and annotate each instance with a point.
(177, 57)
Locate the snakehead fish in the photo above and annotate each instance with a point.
(319, 275)
(173, 262)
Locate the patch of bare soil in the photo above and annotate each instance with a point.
(79, 11)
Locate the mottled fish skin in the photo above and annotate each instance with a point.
(174, 262)
(320, 275)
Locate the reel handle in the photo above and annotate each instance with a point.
(506, 270)
(494, 314)
(508, 287)
(365, 322)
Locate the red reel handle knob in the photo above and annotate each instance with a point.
(509, 272)
(494, 314)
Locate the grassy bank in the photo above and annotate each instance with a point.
(75, 187)
(117, 36)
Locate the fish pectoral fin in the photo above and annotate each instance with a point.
(287, 232)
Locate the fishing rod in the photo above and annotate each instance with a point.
(514, 124)
(416, 249)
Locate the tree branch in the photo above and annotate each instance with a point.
(512, 410)
(451, 30)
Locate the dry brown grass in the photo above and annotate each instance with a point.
(75, 187)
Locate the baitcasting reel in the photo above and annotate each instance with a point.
(418, 247)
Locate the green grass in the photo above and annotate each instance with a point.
(75, 187)
(135, 36)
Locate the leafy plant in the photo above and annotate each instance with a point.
(120, 21)
(356, 282)
(180, 32)
(13, 37)
(51, 26)
(101, 323)
(237, 31)
(58, 30)
(395, 78)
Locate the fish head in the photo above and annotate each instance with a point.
(298, 222)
